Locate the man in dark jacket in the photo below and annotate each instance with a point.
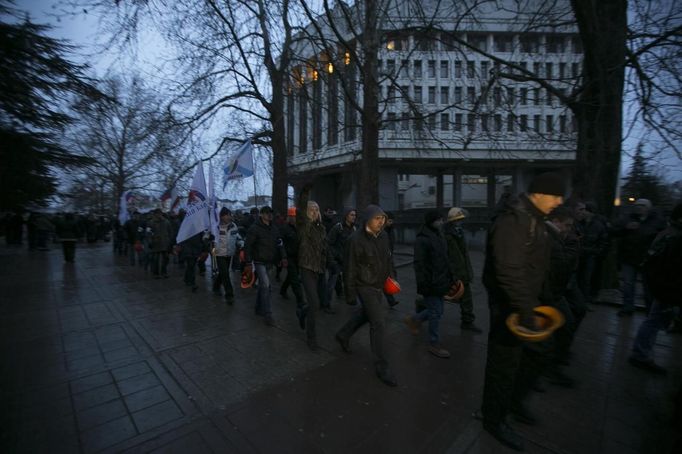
(434, 279)
(192, 250)
(133, 228)
(636, 233)
(68, 233)
(662, 273)
(594, 245)
(460, 266)
(265, 249)
(516, 265)
(290, 238)
(336, 239)
(367, 264)
(160, 243)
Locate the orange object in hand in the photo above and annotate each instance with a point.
(391, 286)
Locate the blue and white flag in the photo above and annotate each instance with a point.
(240, 165)
(196, 215)
(123, 215)
(213, 200)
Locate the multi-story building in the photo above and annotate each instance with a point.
(458, 124)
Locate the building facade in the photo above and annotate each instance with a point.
(470, 107)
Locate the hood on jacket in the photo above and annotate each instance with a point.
(372, 211)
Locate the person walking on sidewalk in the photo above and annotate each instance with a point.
(434, 279)
(160, 243)
(661, 271)
(289, 236)
(460, 266)
(516, 265)
(336, 239)
(312, 261)
(225, 247)
(264, 248)
(367, 264)
(68, 233)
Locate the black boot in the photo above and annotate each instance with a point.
(505, 435)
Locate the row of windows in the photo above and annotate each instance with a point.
(487, 123)
(530, 43)
(442, 69)
(444, 96)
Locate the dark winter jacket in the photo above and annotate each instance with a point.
(289, 236)
(367, 262)
(431, 264)
(563, 260)
(312, 246)
(517, 258)
(194, 246)
(161, 234)
(131, 228)
(662, 266)
(594, 237)
(458, 254)
(263, 244)
(634, 243)
(337, 238)
(68, 229)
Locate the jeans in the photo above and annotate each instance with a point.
(223, 278)
(311, 286)
(659, 318)
(432, 313)
(372, 310)
(190, 275)
(629, 275)
(263, 273)
(334, 273)
(293, 280)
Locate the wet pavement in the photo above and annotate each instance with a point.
(98, 356)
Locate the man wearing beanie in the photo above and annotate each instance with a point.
(460, 266)
(434, 279)
(517, 261)
(366, 267)
(225, 247)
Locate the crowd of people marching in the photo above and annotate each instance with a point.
(540, 251)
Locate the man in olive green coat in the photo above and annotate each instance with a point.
(460, 265)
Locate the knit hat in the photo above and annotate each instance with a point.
(431, 216)
(224, 211)
(291, 211)
(265, 209)
(549, 183)
(372, 211)
(455, 214)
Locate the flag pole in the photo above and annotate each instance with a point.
(253, 164)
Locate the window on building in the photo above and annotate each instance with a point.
(418, 123)
(562, 124)
(523, 123)
(484, 96)
(478, 40)
(575, 70)
(562, 70)
(390, 93)
(432, 95)
(332, 110)
(417, 94)
(498, 123)
(458, 69)
(474, 191)
(444, 69)
(471, 95)
(405, 121)
(536, 123)
(577, 44)
(485, 69)
(484, 122)
(444, 122)
(350, 114)
(537, 69)
(574, 124)
(417, 69)
(471, 123)
(432, 68)
(530, 43)
(404, 67)
(291, 121)
(555, 44)
(390, 67)
(550, 124)
(510, 122)
(549, 98)
(317, 115)
(524, 96)
(458, 95)
(303, 121)
(497, 96)
(536, 96)
(524, 65)
(458, 122)
(391, 124)
(444, 95)
(510, 96)
(426, 42)
(503, 42)
(549, 70)
(431, 121)
(471, 69)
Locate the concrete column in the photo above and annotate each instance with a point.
(388, 188)
(491, 189)
(457, 187)
(439, 191)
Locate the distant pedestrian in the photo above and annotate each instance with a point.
(225, 249)
(367, 265)
(289, 235)
(337, 237)
(68, 233)
(160, 231)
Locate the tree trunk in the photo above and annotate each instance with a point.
(599, 111)
(368, 187)
(279, 151)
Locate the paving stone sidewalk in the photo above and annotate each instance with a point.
(98, 356)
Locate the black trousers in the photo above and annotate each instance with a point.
(371, 309)
(190, 273)
(512, 367)
(223, 278)
(293, 280)
(311, 285)
(160, 263)
(69, 249)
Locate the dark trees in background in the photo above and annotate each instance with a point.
(642, 182)
(35, 78)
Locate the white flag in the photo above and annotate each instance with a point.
(123, 207)
(214, 215)
(196, 215)
(240, 165)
